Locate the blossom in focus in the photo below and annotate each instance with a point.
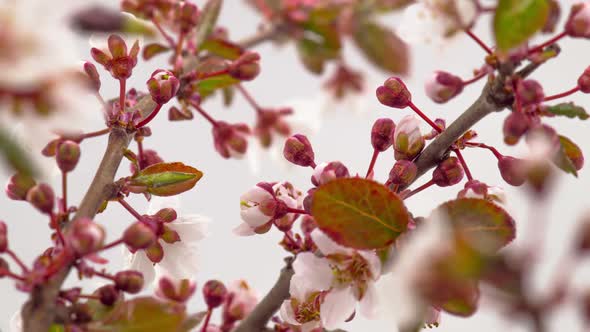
(266, 203)
(180, 258)
(428, 21)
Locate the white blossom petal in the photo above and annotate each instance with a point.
(16, 322)
(287, 314)
(317, 271)
(253, 216)
(337, 307)
(158, 203)
(243, 229)
(191, 228)
(374, 262)
(369, 302)
(256, 195)
(139, 262)
(326, 245)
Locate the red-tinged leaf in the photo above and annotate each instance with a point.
(569, 157)
(516, 21)
(464, 302)
(222, 48)
(480, 223)
(207, 21)
(207, 86)
(382, 47)
(359, 213)
(167, 179)
(142, 314)
(153, 49)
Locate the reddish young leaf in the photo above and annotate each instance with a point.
(569, 157)
(143, 314)
(359, 213)
(480, 223)
(167, 179)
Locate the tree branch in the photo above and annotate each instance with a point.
(270, 304)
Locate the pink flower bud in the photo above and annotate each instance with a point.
(327, 172)
(18, 186)
(3, 237)
(108, 294)
(584, 81)
(155, 252)
(139, 236)
(187, 16)
(394, 93)
(129, 281)
(166, 215)
(382, 134)
(163, 86)
(515, 126)
(448, 173)
(176, 290)
(92, 74)
(403, 173)
(85, 236)
(67, 155)
(299, 151)
(246, 67)
(41, 197)
(511, 170)
(408, 140)
(443, 86)
(578, 23)
(214, 292)
(530, 92)
(169, 235)
(230, 140)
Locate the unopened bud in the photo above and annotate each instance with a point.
(187, 16)
(530, 92)
(578, 23)
(511, 170)
(18, 186)
(67, 155)
(403, 173)
(93, 76)
(108, 295)
(169, 235)
(298, 150)
(166, 215)
(163, 86)
(41, 197)
(178, 291)
(214, 292)
(448, 173)
(408, 140)
(3, 237)
(515, 126)
(584, 81)
(394, 93)
(382, 134)
(139, 236)
(129, 281)
(230, 140)
(85, 236)
(327, 172)
(246, 67)
(443, 86)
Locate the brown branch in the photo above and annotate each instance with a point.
(270, 304)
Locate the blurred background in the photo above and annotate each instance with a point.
(344, 135)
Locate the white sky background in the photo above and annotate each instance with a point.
(344, 136)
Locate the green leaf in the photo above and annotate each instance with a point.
(167, 179)
(142, 314)
(207, 21)
(314, 53)
(207, 86)
(153, 49)
(56, 328)
(569, 157)
(382, 47)
(516, 21)
(480, 223)
(359, 213)
(15, 155)
(569, 110)
(222, 48)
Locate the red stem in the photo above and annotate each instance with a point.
(419, 189)
(496, 153)
(479, 41)
(249, 98)
(122, 92)
(475, 78)
(207, 319)
(104, 275)
(166, 36)
(131, 210)
(178, 52)
(373, 161)
(140, 152)
(9, 274)
(64, 190)
(549, 42)
(60, 235)
(205, 114)
(17, 260)
(96, 133)
(203, 76)
(563, 94)
(89, 297)
(424, 117)
(112, 244)
(464, 164)
(149, 117)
